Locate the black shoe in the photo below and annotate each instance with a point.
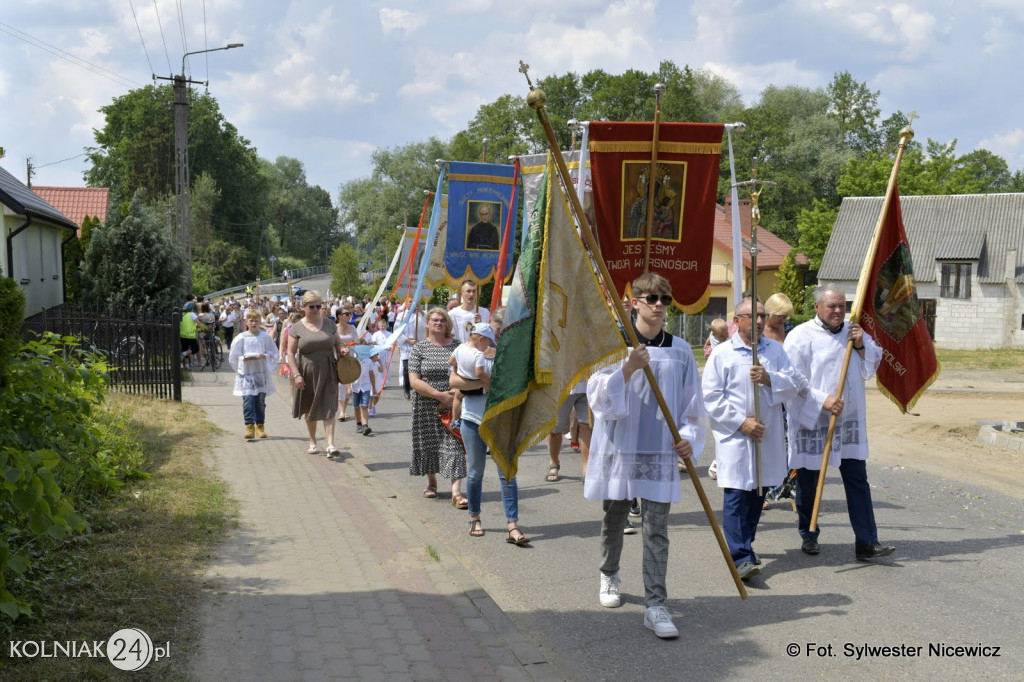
(873, 551)
(367, 430)
(634, 509)
(747, 570)
(811, 547)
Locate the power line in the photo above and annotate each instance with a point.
(66, 56)
(181, 29)
(141, 39)
(70, 158)
(160, 24)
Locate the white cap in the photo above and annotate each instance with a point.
(484, 329)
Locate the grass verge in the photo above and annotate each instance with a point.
(141, 564)
(1002, 358)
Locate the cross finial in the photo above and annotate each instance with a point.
(910, 118)
(524, 69)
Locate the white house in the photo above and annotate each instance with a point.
(31, 249)
(968, 253)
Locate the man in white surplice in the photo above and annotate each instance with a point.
(728, 383)
(631, 449)
(817, 348)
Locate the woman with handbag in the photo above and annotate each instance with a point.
(348, 334)
(435, 449)
(316, 341)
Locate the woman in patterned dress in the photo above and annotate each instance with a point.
(315, 339)
(434, 449)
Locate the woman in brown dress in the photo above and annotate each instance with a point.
(311, 359)
(434, 449)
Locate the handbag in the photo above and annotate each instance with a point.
(347, 368)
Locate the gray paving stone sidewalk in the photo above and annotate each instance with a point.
(329, 575)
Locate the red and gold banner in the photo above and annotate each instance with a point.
(892, 315)
(686, 185)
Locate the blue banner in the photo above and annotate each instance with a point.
(479, 196)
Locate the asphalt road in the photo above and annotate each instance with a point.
(953, 581)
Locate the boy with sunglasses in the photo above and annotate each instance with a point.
(631, 452)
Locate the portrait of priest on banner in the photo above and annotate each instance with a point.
(482, 233)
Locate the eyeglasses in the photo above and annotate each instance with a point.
(760, 316)
(666, 299)
(314, 306)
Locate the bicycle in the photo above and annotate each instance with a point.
(214, 350)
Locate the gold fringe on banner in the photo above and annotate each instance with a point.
(466, 177)
(644, 147)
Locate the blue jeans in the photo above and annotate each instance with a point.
(476, 461)
(254, 408)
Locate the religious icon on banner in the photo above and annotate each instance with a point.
(896, 304)
(482, 219)
(669, 178)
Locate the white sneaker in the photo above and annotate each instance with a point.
(713, 469)
(610, 591)
(656, 618)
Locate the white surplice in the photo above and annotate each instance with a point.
(729, 400)
(631, 447)
(817, 354)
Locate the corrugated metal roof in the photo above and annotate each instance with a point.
(23, 201)
(976, 227)
(77, 202)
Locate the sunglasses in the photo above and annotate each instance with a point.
(347, 313)
(666, 299)
(314, 306)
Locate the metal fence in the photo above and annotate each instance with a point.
(693, 328)
(143, 350)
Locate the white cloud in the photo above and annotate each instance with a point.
(401, 21)
(1009, 145)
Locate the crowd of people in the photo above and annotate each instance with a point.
(629, 459)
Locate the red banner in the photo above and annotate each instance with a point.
(686, 185)
(892, 315)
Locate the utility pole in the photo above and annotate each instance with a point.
(181, 178)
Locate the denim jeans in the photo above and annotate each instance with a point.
(254, 408)
(476, 461)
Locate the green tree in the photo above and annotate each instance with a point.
(392, 195)
(131, 262)
(299, 215)
(791, 280)
(345, 278)
(815, 227)
(135, 149)
(855, 108)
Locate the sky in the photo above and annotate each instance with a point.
(329, 81)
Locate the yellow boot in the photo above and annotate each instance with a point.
(260, 433)
(250, 431)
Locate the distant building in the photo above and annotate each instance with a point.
(34, 233)
(773, 251)
(77, 203)
(968, 253)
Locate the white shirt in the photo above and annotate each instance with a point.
(415, 330)
(817, 354)
(631, 451)
(463, 321)
(729, 400)
(253, 377)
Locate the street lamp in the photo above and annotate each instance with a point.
(229, 46)
(737, 240)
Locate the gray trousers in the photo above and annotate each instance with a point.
(655, 533)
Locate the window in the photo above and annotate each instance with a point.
(956, 280)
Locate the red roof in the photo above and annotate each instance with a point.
(772, 249)
(77, 202)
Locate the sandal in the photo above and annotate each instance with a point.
(476, 529)
(312, 449)
(430, 492)
(519, 541)
(344, 418)
(459, 501)
(333, 451)
(553, 470)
